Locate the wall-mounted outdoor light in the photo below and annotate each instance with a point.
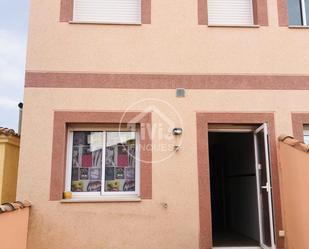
(177, 131)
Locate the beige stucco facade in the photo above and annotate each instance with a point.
(173, 43)
(54, 224)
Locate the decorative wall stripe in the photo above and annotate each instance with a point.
(166, 81)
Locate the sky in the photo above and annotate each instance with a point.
(13, 42)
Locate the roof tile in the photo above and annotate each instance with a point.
(8, 132)
(9, 207)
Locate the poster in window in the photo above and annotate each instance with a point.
(95, 174)
(129, 185)
(94, 186)
(76, 157)
(77, 186)
(80, 138)
(122, 157)
(130, 173)
(84, 174)
(109, 173)
(87, 160)
(75, 174)
(97, 158)
(132, 156)
(110, 156)
(119, 173)
(113, 186)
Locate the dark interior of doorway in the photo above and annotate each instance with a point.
(234, 205)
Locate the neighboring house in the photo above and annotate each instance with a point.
(9, 155)
(153, 124)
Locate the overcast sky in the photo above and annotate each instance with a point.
(13, 39)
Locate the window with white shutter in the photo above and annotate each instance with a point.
(230, 12)
(107, 11)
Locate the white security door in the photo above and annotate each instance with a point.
(264, 187)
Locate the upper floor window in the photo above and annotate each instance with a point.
(230, 12)
(107, 11)
(298, 12)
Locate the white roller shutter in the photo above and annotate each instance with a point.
(230, 12)
(107, 11)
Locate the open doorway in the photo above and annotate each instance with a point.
(240, 218)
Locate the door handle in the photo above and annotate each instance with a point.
(267, 187)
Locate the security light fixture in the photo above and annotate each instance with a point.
(177, 131)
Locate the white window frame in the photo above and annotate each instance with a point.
(306, 134)
(103, 193)
(303, 12)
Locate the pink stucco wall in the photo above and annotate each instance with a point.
(294, 186)
(172, 43)
(14, 229)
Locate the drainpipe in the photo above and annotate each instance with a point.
(20, 105)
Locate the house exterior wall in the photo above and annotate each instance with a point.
(14, 229)
(173, 45)
(53, 224)
(9, 156)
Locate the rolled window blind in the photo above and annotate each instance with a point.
(230, 12)
(107, 11)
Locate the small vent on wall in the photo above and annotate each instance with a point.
(180, 92)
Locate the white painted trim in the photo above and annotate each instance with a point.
(102, 199)
(303, 12)
(264, 128)
(68, 173)
(239, 247)
(269, 191)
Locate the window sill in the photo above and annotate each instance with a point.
(298, 27)
(101, 199)
(232, 26)
(105, 23)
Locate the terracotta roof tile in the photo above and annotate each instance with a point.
(8, 132)
(294, 143)
(9, 207)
